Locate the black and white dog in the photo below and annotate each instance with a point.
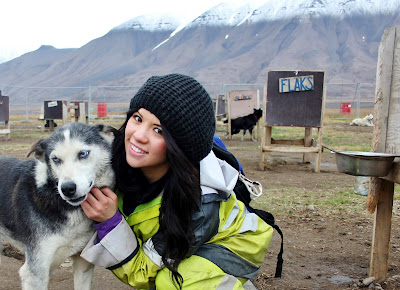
(40, 199)
(245, 123)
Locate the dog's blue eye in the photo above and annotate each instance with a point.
(83, 154)
(56, 160)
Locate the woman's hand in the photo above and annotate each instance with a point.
(101, 204)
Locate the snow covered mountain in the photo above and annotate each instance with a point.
(253, 11)
(235, 13)
(229, 43)
(150, 23)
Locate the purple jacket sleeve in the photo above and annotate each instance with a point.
(107, 226)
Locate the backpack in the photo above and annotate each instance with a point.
(244, 190)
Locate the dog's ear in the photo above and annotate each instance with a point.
(38, 150)
(107, 132)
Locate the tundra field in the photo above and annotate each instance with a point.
(327, 230)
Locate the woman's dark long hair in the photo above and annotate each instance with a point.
(181, 197)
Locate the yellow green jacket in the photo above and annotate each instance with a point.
(230, 246)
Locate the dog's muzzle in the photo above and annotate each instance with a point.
(68, 189)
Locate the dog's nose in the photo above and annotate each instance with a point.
(68, 188)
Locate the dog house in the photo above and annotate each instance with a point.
(5, 115)
(293, 99)
(220, 113)
(79, 111)
(239, 104)
(54, 110)
(220, 106)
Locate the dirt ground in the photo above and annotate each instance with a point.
(323, 249)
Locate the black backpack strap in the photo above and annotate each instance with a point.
(270, 219)
(279, 264)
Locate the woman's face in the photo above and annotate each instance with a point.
(145, 145)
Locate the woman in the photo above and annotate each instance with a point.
(173, 221)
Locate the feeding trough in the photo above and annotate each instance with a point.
(360, 163)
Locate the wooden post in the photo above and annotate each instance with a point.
(265, 135)
(381, 233)
(229, 117)
(307, 143)
(318, 158)
(83, 118)
(8, 135)
(381, 108)
(319, 155)
(6, 131)
(386, 139)
(266, 140)
(64, 113)
(257, 133)
(51, 125)
(73, 109)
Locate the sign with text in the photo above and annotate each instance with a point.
(243, 102)
(242, 97)
(55, 109)
(294, 98)
(296, 84)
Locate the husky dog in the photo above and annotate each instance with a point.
(366, 121)
(245, 123)
(40, 199)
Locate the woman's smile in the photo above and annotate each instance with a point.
(137, 151)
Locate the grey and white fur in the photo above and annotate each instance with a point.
(40, 199)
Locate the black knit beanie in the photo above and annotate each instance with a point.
(184, 107)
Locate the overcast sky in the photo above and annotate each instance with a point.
(25, 25)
